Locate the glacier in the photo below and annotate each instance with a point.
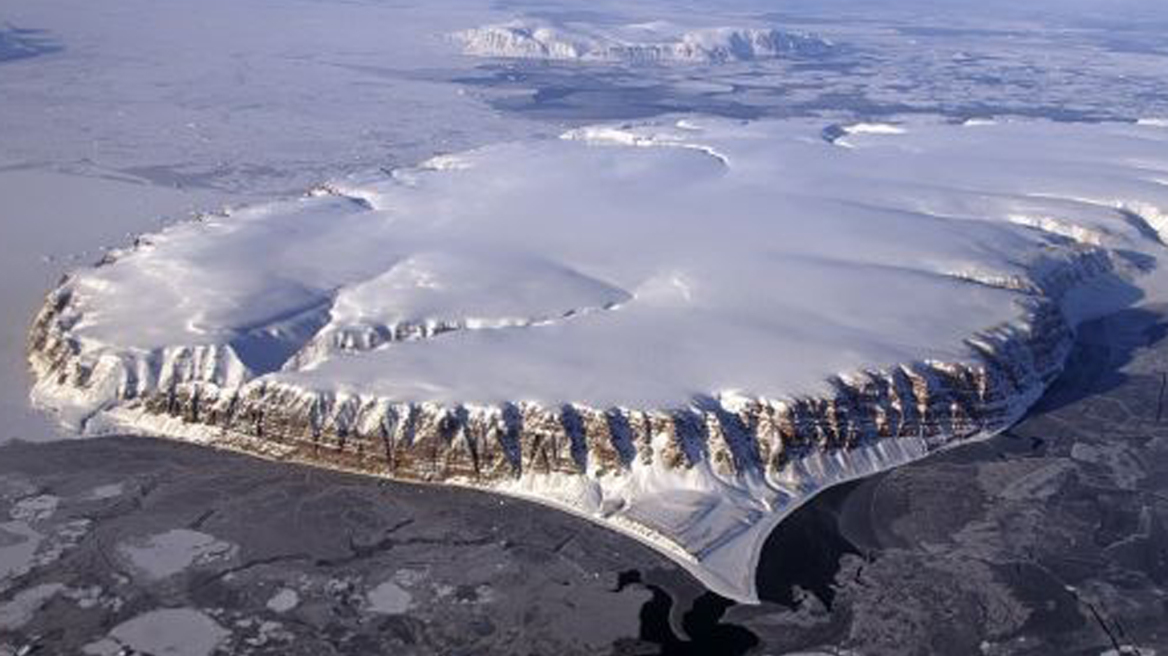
(681, 330)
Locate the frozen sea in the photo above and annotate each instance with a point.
(118, 119)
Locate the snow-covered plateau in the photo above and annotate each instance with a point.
(654, 42)
(681, 331)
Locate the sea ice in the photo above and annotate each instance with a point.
(24, 605)
(388, 598)
(164, 632)
(283, 601)
(162, 555)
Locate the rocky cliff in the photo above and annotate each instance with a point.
(654, 43)
(331, 375)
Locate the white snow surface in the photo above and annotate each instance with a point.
(636, 266)
(637, 43)
(632, 267)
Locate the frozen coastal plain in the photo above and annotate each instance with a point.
(680, 330)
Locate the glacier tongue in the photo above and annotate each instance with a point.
(679, 331)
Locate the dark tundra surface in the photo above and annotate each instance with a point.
(1049, 539)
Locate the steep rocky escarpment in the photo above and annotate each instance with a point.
(937, 401)
(686, 379)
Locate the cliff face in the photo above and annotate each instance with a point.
(772, 453)
(430, 442)
(394, 365)
(210, 387)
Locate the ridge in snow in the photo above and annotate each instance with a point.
(682, 332)
(655, 42)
